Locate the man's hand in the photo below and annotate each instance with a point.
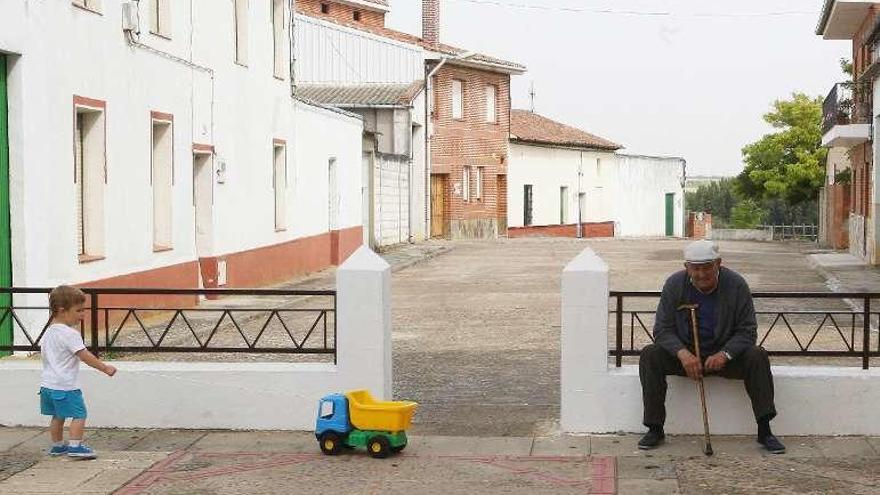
(109, 370)
(716, 362)
(691, 364)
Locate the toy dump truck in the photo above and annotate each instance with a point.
(356, 419)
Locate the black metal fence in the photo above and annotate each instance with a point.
(822, 325)
(258, 321)
(847, 103)
(784, 232)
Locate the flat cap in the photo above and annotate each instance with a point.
(701, 252)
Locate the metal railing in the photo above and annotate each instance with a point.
(118, 321)
(847, 103)
(844, 331)
(784, 232)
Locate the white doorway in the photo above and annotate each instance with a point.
(203, 205)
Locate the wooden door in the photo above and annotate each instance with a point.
(438, 206)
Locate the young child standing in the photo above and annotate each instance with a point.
(62, 349)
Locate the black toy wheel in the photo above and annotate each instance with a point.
(379, 447)
(331, 443)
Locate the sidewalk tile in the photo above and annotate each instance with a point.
(845, 447)
(647, 487)
(438, 445)
(10, 437)
(167, 440)
(653, 468)
(562, 446)
(258, 441)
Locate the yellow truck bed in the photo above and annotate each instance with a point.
(368, 413)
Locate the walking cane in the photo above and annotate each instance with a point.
(707, 448)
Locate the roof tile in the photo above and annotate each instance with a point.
(530, 127)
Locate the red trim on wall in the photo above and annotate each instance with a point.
(180, 276)
(203, 149)
(162, 116)
(597, 229)
(277, 263)
(82, 101)
(257, 267)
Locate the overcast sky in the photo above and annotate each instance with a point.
(693, 84)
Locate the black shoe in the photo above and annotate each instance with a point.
(772, 444)
(652, 439)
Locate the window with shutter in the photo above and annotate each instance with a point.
(457, 99)
(162, 182)
(278, 37)
(279, 184)
(240, 14)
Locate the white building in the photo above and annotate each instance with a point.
(381, 79)
(157, 143)
(560, 176)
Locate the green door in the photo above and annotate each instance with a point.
(5, 236)
(670, 214)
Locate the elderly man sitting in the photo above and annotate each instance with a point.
(727, 335)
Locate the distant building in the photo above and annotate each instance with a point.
(695, 182)
(561, 176)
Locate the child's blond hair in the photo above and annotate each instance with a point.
(65, 297)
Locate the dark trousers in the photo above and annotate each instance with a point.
(752, 366)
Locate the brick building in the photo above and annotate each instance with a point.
(848, 114)
(460, 140)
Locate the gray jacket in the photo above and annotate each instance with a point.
(737, 328)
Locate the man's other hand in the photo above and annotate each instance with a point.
(716, 362)
(691, 364)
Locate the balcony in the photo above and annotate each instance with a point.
(846, 115)
(841, 19)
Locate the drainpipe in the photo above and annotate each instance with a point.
(683, 198)
(292, 34)
(429, 76)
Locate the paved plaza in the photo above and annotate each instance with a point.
(476, 329)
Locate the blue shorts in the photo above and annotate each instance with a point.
(62, 403)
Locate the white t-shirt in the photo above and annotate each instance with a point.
(59, 346)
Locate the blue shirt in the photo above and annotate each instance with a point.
(706, 319)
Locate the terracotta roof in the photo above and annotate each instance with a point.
(415, 40)
(530, 127)
(362, 94)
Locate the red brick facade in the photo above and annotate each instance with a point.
(599, 229)
(341, 12)
(837, 199)
(699, 225)
(471, 142)
(860, 185)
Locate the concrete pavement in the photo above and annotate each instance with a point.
(209, 462)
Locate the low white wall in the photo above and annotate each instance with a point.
(598, 398)
(234, 395)
(741, 235)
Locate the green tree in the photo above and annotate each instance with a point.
(747, 214)
(717, 198)
(787, 164)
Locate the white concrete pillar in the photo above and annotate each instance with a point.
(363, 322)
(584, 338)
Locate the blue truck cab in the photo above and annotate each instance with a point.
(332, 416)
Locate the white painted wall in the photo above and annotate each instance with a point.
(328, 52)
(262, 396)
(238, 109)
(393, 192)
(628, 190)
(639, 185)
(598, 398)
